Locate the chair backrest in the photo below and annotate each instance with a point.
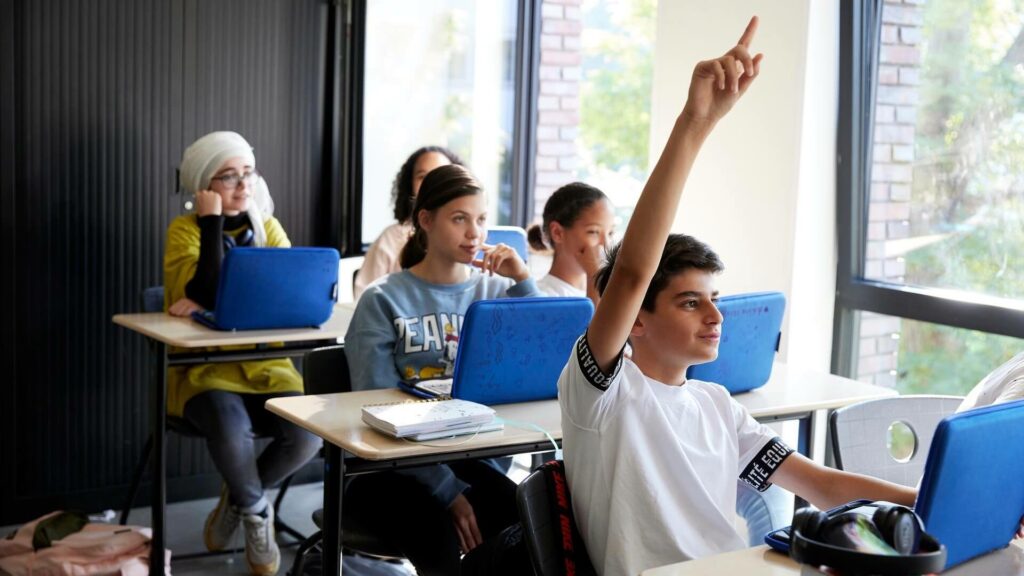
(549, 526)
(325, 370)
(860, 435)
(348, 268)
(513, 236)
(153, 299)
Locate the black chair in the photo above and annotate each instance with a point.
(325, 371)
(153, 301)
(545, 517)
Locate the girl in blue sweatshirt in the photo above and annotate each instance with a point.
(406, 327)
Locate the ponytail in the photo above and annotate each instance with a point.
(535, 236)
(415, 249)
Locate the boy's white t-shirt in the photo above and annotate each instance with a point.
(652, 468)
(555, 286)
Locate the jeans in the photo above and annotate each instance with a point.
(231, 423)
(763, 511)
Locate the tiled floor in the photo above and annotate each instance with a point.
(185, 531)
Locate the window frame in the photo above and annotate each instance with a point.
(859, 41)
(347, 45)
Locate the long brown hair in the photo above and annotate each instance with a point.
(401, 189)
(442, 185)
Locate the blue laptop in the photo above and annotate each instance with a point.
(512, 236)
(971, 496)
(751, 331)
(512, 350)
(265, 288)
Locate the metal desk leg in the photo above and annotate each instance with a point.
(805, 441)
(805, 446)
(159, 499)
(334, 474)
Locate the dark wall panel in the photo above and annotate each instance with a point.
(97, 101)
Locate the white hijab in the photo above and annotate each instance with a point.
(206, 155)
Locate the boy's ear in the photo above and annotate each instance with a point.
(557, 232)
(638, 328)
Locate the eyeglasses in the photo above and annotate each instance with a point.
(231, 179)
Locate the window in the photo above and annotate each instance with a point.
(596, 58)
(932, 235)
(923, 358)
(947, 179)
(438, 73)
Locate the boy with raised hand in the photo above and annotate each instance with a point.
(651, 458)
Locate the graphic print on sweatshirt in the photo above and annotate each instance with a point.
(426, 345)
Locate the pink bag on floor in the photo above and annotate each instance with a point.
(96, 549)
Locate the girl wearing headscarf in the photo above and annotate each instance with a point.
(225, 401)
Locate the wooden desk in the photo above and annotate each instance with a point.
(351, 447)
(797, 394)
(163, 330)
(764, 561)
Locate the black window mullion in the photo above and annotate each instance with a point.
(524, 141)
(959, 310)
(859, 33)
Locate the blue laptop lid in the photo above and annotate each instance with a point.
(971, 497)
(512, 236)
(514, 349)
(263, 288)
(750, 338)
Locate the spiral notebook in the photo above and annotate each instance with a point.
(427, 417)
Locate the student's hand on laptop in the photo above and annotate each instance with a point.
(465, 523)
(504, 261)
(719, 83)
(184, 307)
(208, 203)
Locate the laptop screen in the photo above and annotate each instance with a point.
(263, 288)
(513, 349)
(972, 497)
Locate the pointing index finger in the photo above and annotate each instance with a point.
(748, 34)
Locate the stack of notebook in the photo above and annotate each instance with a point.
(429, 419)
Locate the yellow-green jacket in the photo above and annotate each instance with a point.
(183, 382)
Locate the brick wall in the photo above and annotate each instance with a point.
(891, 179)
(558, 101)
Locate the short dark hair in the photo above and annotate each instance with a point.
(442, 185)
(401, 188)
(681, 253)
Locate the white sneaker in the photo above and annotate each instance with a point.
(221, 524)
(261, 551)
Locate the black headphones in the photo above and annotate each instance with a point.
(244, 238)
(819, 540)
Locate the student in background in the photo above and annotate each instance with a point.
(651, 458)
(577, 225)
(225, 401)
(406, 327)
(1004, 384)
(382, 257)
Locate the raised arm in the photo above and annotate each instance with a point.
(715, 87)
